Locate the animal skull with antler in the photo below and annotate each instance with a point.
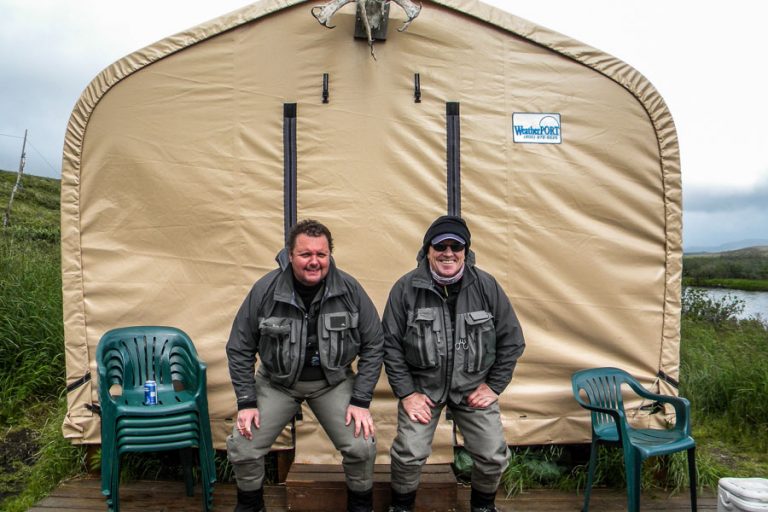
(371, 12)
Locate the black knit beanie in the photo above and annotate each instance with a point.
(447, 224)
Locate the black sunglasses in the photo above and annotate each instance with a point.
(442, 247)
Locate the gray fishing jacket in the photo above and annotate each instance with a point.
(272, 323)
(423, 352)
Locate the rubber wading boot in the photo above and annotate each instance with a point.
(359, 501)
(402, 502)
(482, 501)
(250, 501)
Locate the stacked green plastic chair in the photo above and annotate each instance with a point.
(600, 391)
(126, 359)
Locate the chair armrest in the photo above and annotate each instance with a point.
(618, 416)
(103, 388)
(202, 380)
(681, 405)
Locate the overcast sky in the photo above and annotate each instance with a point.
(707, 59)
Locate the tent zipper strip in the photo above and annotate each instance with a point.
(289, 167)
(453, 158)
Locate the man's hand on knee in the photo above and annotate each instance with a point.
(245, 418)
(482, 397)
(418, 406)
(363, 421)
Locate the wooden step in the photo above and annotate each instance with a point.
(322, 487)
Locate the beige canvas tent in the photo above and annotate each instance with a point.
(178, 172)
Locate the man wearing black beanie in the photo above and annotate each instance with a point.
(451, 338)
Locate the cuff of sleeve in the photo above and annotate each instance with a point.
(359, 403)
(250, 404)
(406, 394)
(493, 388)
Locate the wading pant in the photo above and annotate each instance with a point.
(483, 439)
(277, 406)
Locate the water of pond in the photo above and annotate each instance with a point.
(755, 303)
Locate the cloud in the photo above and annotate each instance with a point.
(713, 216)
(711, 199)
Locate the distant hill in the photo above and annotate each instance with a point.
(749, 263)
(730, 246)
(760, 251)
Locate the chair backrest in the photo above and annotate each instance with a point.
(130, 356)
(602, 387)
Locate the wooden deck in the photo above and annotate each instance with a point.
(146, 496)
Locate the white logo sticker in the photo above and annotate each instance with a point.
(536, 128)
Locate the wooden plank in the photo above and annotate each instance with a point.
(148, 496)
(322, 487)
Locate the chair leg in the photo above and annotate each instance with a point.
(205, 477)
(185, 454)
(633, 466)
(590, 474)
(692, 477)
(115, 507)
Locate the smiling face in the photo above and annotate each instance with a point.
(310, 259)
(446, 263)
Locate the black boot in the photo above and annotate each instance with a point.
(482, 501)
(359, 501)
(402, 502)
(250, 501)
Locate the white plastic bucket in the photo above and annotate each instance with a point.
(742, 495)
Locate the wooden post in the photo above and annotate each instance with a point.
(22, 161)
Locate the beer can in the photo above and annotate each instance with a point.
(150, 392)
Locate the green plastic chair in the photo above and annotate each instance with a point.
(600, 391)
(126, 359)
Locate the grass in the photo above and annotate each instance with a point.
(53, 459)
(750, 285)
(31, 330)
(35, 455)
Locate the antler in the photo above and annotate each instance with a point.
(411, 11)
(323, 16)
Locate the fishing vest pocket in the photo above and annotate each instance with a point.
(422, 338)
(339, 340)
(479, 342)
(278, 346)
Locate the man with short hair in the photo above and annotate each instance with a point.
(451, 338)
(307, 321)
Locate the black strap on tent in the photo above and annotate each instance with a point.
(669, 380)
(453, 157)
(325, 88)
(79, 382)
(289, 167)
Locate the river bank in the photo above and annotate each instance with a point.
(752, 285)
(755, 302)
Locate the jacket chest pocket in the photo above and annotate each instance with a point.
(480, 341)
(339, 338)
(422, 338)
(278, 346)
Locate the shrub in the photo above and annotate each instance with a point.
(698, 305)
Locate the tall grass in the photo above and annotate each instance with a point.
(32, 376)
(724, 365)
(31, 331)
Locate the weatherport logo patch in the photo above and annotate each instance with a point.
(536, 128)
